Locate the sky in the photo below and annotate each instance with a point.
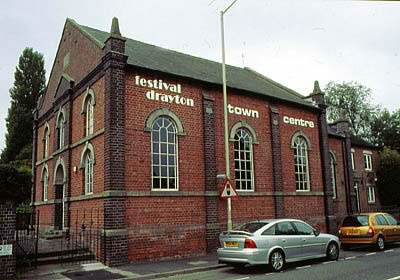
(292, 42)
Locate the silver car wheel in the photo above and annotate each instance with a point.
(277, 260)
(333, 251)
(380, 243)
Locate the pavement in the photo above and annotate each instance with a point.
(137, 271)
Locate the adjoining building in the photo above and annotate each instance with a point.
(136, 132)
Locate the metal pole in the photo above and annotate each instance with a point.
(227, 169)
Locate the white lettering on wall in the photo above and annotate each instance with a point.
(299, 122)
(242, 111)
(158, 84)
(163, 97)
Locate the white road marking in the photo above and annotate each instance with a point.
(387, 251)
(302, 267)
(350, 258)
(370, 254)
(394, 278)
(329, 262)
(271, 273)
(243, 278)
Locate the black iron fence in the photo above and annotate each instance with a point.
(26, 240)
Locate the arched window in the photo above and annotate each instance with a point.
(46, 140)
(164, 154)
(88, 159)
(88, 172)
(243, 150)
(88, 111)
(45, 182)
(301, 164)
(60, 131)
(89, 117)
(333, 174)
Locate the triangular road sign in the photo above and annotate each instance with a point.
(229, 190)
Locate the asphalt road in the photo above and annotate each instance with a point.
(359, 263)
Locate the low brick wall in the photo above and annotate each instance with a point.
(7, 231)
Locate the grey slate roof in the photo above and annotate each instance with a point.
(160, 59)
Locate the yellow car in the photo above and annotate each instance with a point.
(369, 228)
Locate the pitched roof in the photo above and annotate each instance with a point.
(160, 59)
(358, 141)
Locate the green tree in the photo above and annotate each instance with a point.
(15, 183)
(29, 83)
(386, 129)
(389, 177)
(352, 102)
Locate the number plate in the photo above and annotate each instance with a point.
(353, 231)
(231, 244)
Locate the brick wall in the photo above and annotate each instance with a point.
(7, 231)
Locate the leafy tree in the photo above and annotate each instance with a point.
(389, 177)
(386, 129)
(351, 101)
(29, 83)
(15, 183)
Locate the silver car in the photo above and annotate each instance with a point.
(275, 242)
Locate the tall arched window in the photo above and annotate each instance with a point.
(164, 154)
(88, 172)
(333, 174)
(46, 141)
(45, 180)
(60, 131)
(88, 111)
(89, 117)
(243, 149)
(301, 164)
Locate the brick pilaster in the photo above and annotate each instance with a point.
(319, 98)
(115, 237)
(210, 161)
(7, 231)
(277, 162)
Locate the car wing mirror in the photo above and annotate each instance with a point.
(316, 232)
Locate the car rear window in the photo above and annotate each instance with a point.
(355, 221)
(251, 227)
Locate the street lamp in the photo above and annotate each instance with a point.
(227, 170)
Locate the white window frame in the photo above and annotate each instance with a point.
(367, 160)
(61, 131)
(371, 193)
(45, 185)
(300, 146)
(164, 156)
(46, 140)
(243, 133)
(89, 116)
(88, 173)
(333, 174)
(353, 166)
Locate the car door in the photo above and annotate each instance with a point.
(395, 227)
(383, 226)
(312, 245)
(289, 240)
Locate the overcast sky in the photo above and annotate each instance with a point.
(292, 42)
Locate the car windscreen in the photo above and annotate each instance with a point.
(355, 221)
(251, 227)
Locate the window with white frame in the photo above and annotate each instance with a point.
(371, 193)
(89, 116)
(301, 164)
(61, 131)
(353, 166)
(333, 174)
(243, 150)
(164, 154)
(45, 184)
(88, 172)
(368, 161)
(46, 142)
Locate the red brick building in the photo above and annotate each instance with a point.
(136, 131)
